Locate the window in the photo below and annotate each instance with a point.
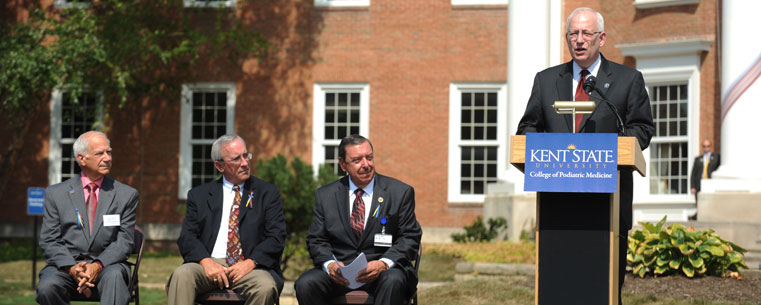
(208, 112)
(64, 4)
(669, 158)
(209, 3)
(341, 3)
(477, 137)
(69, 118)
(339, 110)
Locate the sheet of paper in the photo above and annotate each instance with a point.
(351, 271)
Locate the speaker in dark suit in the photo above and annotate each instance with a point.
(368, 213)
(87, 230)
(233, 234)
(623, 86)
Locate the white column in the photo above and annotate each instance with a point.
(534, 35)
(740, 169)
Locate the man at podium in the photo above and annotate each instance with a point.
(623, 86)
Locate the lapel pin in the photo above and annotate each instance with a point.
(248, 201)
(607, 85)
(71, 191)
(380, 199)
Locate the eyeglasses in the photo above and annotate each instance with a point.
(248, 156)
(585, 34)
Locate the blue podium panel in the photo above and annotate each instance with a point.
(571, 162)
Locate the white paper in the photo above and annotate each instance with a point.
(112, 220)
(351, 271)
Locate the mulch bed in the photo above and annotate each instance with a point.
(748, 289)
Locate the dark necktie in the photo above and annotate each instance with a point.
(92, 204)
(581, 95)
(233, 234)
(358, 213)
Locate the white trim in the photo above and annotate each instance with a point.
(453, 168)
(318, 117)
(210, 4)
(186, 128)
(479, 2)
(54, 150)
(641, 4)
(63, 4)
(341, 3)
(666, 48)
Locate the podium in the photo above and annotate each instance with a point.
(577, 253)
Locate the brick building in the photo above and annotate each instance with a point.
(425, 80)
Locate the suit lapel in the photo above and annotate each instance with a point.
(342, 198)
(248, 190)
(379, 191)
(564, 88)
(77, 200)
(604, 82)
(215, 206)
(105, 199)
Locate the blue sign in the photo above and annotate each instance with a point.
(35, 202)
(571, 162)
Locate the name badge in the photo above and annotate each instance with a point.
(112, 220)
(383, 240)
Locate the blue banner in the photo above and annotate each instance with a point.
(571, 162)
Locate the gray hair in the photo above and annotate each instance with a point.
(600, 20)
(216, 148)
(82, 144)
(354, 139)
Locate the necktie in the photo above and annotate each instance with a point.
(92, 204)
(706, 159)
(581, 95)
(233, 234)
(358, 213)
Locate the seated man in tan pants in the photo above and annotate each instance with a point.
(233, 233)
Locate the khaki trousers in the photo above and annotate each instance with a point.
(189, 280)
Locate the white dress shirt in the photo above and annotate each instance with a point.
(228, 196)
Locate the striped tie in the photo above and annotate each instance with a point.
(358, 213)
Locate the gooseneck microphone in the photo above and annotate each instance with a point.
(589, 86)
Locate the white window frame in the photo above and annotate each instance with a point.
(186, 128)
(455, 142)
(210, 4)
(643, 4)
(318, 126)
(56, 140)
(341, 3)
(63, 4)
(479, 2)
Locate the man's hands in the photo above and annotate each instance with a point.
(367, 275)
(224, 276)
(372, 272)
(335, 274)
(85, 275)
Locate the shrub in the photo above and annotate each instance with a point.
(677, 249)
(297, 186)
(478, 232)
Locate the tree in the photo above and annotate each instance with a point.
(127, 49)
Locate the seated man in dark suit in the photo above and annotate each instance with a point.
(344, 226)
(233, 233)
(87, 230)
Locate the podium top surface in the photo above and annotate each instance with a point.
(629, 153)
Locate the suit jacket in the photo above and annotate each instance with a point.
(331, 233)
(64, 242)
(697, 169)
(262, 226)
(624, 87)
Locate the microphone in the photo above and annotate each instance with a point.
(589, 86)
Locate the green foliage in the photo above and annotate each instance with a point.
(655, 250)
(123, 47)
(478, 231)
(18, 249)
(297, 186)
